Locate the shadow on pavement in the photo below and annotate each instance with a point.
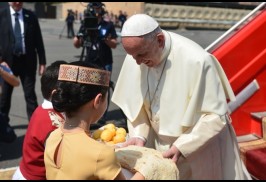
(20, 127)
(18, 116)
(9, 151)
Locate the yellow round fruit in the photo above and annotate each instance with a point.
(109, 125)
(110, 143)
(112, 130)
(107, 135)
(119, 138)
(97, 134)
(121, 131)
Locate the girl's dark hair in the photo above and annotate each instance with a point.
(49, 78)
(70, 96)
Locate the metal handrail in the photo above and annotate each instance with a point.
(179, 20)
(222, 37)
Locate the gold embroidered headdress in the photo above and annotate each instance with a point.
(81, 74)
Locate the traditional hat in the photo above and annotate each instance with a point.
(84, 75)
(138, 25)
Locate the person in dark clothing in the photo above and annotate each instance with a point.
(100, 51)
(21, 43)
(7, 133)
(122, 18)
(70, 24)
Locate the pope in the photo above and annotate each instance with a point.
(174, 95)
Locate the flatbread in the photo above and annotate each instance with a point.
(149, 162)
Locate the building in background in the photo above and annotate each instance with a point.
(211, 15)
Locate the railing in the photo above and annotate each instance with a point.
(179, 20)
(235, 27)
(241, 52)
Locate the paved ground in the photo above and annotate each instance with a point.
(62, 49)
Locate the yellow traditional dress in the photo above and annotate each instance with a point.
(82, 158)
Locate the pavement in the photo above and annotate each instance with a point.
(61, 48)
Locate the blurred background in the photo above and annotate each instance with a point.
(211, 15)
(203, 22)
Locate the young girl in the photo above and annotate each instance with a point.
(70, 152)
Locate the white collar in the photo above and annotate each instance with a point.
(12, 11)
(47, 104)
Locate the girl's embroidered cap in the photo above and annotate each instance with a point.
(81, 74)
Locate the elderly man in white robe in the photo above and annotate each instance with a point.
(174, 95)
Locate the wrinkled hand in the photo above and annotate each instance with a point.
(133, 141)
(173, 153)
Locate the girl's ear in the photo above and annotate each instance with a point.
(53, 91)
(97, 101)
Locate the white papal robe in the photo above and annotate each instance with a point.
(188, 110)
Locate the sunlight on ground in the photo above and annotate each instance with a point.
(6, 174)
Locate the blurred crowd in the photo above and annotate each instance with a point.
(117, 19)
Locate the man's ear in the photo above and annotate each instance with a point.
(161, 39)
(97, 101)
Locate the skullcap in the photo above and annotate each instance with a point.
(138, 25)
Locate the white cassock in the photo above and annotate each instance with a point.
(188, 110)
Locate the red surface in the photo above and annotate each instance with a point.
(243, 58)
(256, 163)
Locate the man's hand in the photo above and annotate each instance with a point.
(173, 153)
(133, 141)
(41, 69)
(77, 42)
(111, 42)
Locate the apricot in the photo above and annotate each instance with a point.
(97, 134)
(112, 130)
(110, 142)
(109, 125)
(119, 138)
(107, 135)
(121, 131)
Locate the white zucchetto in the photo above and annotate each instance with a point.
(138, 25)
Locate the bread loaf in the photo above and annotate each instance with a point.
(149, 162)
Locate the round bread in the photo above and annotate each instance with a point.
(149, 162)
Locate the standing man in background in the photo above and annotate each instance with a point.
(122, 18)
(21, 41)
(100, 52)
(70, 24)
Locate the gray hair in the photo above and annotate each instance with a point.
(152, 34)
